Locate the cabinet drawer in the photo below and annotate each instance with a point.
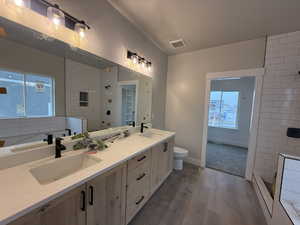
(139, 160)
(135, 203)
(139, 178)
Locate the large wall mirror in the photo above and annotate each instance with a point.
(46, 85)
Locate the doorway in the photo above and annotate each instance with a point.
(230, 121)
(128, 91)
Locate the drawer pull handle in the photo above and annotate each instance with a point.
(139, 201)
(166, 147)
(44, 208)
(141, 177)
(142, 158)
(83, 200)
(91, 202)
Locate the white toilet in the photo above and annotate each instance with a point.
(179, 155)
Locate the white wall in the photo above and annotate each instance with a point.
(240, 136)
(80, 77)
(280, 107)
(109, 76)
(23, 130)
(186, 86)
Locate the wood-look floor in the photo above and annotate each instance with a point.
(202, 197)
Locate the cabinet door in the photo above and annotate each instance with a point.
(66, 210)
(162, 162)
(106, 198)
(155, 164)
(170, 155)
(32, 218)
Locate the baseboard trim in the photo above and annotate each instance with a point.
(227, 143)
(193, 161)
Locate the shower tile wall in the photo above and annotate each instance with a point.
(280, 106)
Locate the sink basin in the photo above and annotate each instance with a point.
(28, 146)
(60, 168)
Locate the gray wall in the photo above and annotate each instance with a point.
(240, 136)
(80, 77)
(20, 58)
(186, 86)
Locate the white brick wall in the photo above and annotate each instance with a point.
(280, 107)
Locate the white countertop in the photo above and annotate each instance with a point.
(20, 192)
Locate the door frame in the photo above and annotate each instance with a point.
(258, 74)
(129, 82)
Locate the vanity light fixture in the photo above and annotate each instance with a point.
(149, 66)
(143, 62)
(136, 59)
(60, 17)
(80, 28)
(56, 15)
(133, 56)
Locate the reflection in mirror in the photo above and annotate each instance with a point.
(49, 88)
(110, 97)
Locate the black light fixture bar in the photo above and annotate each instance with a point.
(69, 16)
(140, 59)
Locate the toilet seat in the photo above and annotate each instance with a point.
(180, 152)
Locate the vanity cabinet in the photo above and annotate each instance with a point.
(138, 183)
(106, 198)
(112, 198)
(100, 201)
(162, 162)
(66, 210)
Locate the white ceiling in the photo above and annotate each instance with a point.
(208, 23)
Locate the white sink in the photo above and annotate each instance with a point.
(28, 146)
(60, 168)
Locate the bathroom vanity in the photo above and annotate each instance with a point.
(109, 191)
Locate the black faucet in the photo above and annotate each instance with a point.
(69, 132)
(59, 147)
(132, 123)
(49, 139)
(143, 127)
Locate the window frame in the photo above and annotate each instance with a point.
(24, 74)
(238, 110)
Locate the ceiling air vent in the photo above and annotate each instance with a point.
(177, 43)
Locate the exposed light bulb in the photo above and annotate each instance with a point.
(56, 16)
(135, 59)
(144, 63)
(19, 3)
(149, 66)
(81, 28)
(56, 21)
(82, 34)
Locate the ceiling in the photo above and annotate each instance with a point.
(207, 23)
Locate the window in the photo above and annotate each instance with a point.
(83, 99)
(26, 95)
(223, 109)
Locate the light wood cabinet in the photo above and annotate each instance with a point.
(106, 198)
(138, 184)
(112, 198)
(162, 162)
(66, 210)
